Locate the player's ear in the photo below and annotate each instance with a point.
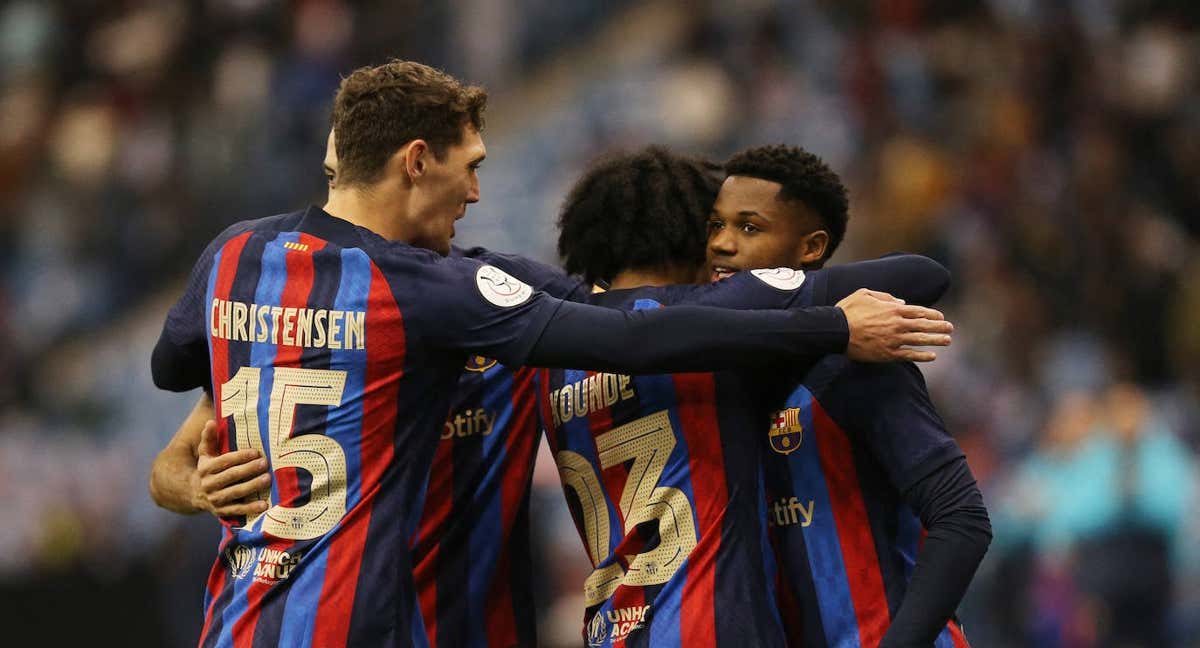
(416, 158)
(812, 249)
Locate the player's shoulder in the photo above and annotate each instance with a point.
(265, 225)
(523, 268)
(438, 279)
(252, 227)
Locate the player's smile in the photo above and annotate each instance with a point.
(721, 271)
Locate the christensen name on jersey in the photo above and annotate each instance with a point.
(318, 328)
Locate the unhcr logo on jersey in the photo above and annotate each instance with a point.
(239, 558)
(786, 430)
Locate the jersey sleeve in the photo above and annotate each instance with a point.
(887, 407)
(914, 278)
(466, 306)
(180, 359)
(540, 276)
(767, 289)
(911, 277)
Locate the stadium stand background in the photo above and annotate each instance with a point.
(1048, 153)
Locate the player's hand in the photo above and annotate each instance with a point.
(223, 482)
(883, 328)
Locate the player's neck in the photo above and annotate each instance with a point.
(638, 277)
(373, 210)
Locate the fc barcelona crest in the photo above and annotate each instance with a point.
(786, 430)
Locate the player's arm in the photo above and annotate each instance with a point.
(474, 308)
(958, 532)
(546, 278)
(179, 361)
(905, 433)
(878, 332)
(914, 278)
(699, 338)
(189, 476)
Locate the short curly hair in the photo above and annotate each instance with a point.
(637, 210)
(379, 109)
(804, 178)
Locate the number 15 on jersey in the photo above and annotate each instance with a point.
(319, 455)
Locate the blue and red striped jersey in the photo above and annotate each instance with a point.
(471, 560)
(839, 453)
(662, 476)
(336, 353)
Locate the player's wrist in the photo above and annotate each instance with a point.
(843, 341)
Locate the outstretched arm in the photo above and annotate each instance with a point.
(697, 338)
(189, 476)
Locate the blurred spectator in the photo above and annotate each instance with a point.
(1103, 503)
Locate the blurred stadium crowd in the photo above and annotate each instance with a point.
(1047, 152)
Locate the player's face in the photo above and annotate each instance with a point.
(446, 188)
(750, 228)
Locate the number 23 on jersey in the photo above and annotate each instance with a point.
(648, 443)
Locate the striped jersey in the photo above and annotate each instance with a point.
(471, 560)
(662, 476)
(335, 353)
(839, 452)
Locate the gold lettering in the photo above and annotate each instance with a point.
(595, 392)
(807, 514)
(223, 325)
(626, 392)
(319, 327)
(610, 389)
(276, 313)
(263, 333)
(554, 409)
(580, 397)
(304, 327)
(335, 327)
(239, 321)
(355, 326)
(213, 316)
(564, 402)
(289, 323)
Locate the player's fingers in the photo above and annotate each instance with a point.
(240, 490)
(914, 355)
(235, 474)
(920, 312)
(211, 466)
(238, 510)
(877, 294)
(927, 326)
(208, 440)
(924, 339)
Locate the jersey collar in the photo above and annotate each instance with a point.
(323, 225)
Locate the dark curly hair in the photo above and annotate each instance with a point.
(637, 210)
(804, 177)
(379, 109)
